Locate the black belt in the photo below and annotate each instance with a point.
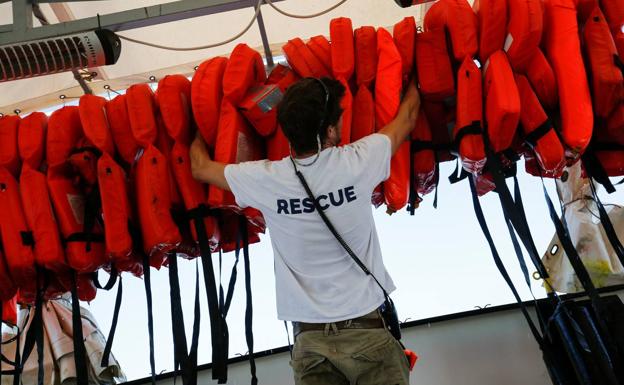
(371, 320)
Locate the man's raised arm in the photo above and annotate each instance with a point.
(204, 169)
(405, 121)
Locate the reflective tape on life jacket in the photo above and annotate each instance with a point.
(236, 142)
(614, 12)
(388, 87)
(31, 138)
(492, 18)
(95, 122)
(9, 153)
(119, 123)
(363, 114)
(468, 132)
(244, 70)
(303, 60)
(538, 131)
(404, 34)
(206, 96)
(17, 239)
(563, 49)
(153, 198)
(173, 96)
(277, 145)
(9, 311)
(342, 48)
(423, 158)
(260, 107)
(458, 18)
(603, 59)
(543, 80)
(142, 114)
(365, 56)
(41, 221)
(435, 74)
(64, 132)
(320, 47)
(502, 106)
(524, 31)
(84, 246)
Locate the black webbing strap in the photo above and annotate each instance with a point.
(593, 166)
(94, 150)
(112, 279)
(413, 199)
(28, 238)
(537, 134)
(111, 334)
(180, 349)
(18, 366)
(618, 62)
(218, 327)
(83, 237)
(34, 336)
(192, 357)
(249, 302)
(80, 354)
(472, 129)
(607, 225)
(147, 281)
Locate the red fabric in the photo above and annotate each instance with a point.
(84, 164)
(549, 150)
(7, 287)
(64, 132)
(206, 96)
(585, 8)
(492, 18)
(619, 42)
(543, 80)
(612, 161)
(342, 48)
(282, 76)
(424, 160)
(459, 19)
(260, 108)
(95, 123)
(68, 202)
(119, 123)
(347, 113)
(502, 106)
(441, 119)
(244, 70)
(303, 60)
(9, 153)
(85, 287)
(524, 31)
(561, 40)
(470, 110)
(31, 138)
(387, 100)
(277, 145)
(615, 127)
(607, 81)
(41, 221)
(19, 256)
(614, 11)
(153, 197)
(164, 144)
(9, 311)
(142, 114)
(235, 143)
(363, 114)
(404, 34)
(435, 74)
(174, 102)
(365, 55)
(320, 47)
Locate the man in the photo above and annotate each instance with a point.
(340, 337)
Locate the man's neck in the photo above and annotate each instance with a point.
(312, 153)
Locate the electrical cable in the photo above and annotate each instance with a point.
(269, 2)
(247, 28)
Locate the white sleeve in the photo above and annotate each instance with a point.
(373, 153)
(244, 180)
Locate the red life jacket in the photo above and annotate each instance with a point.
(492, 18)
(458, 18)
(174, 102)
(260, 107)
(404, 34)
(17, 240)
(320, 47)
(502, 106)
(619, 42)
(40, 218)
(539, 132)
(468, 132)
(9, 311)
(282, 76)
(614, 131)
(365, 57)
(277, 145)
(7, 287)
(543, 80)
(524, 32)
(95, 123)
(119, 124)
(435, 74)
(563, 48)
(612, 161)
(85, 287)
(229, 225)
(64, 132)
(9, 153)
(303, 60)
(441, 119)
(363, 114)
(387, 101)
(31, 138)
(244, 70)
(206, 96)
(584, 9)
(342, 48)
(614, 12)
(142, 114)
(607, 80)
(424, 163)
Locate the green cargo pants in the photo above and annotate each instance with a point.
(349, 356)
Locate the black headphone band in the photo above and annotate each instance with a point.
(326, 105)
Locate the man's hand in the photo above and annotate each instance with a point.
(405, 121)
(204, 169)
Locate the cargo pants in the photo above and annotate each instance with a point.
(349, 357)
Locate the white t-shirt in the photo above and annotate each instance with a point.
(316, 280)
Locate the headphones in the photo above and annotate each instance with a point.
(326, 105)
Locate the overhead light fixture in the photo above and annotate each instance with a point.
(58, 54)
